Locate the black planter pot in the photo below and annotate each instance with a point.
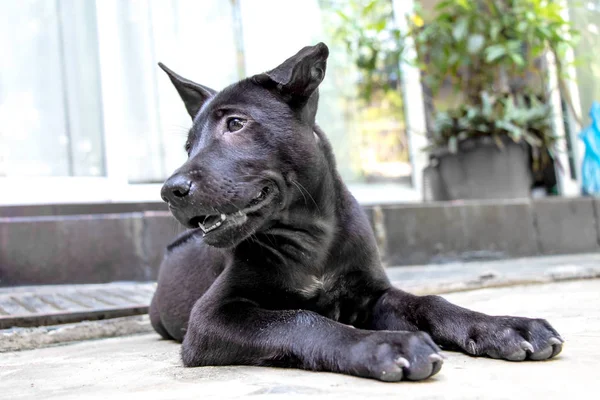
(479, 170)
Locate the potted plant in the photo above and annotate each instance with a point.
(489, 150)
(497, 133)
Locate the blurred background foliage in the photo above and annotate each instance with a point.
(365, 29)
(483, 64)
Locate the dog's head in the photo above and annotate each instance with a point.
(249, 146)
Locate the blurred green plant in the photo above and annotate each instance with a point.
(483, 45)
(514, 117)
(366, 28)
(487, 50)
(363, 28)
(517, 117)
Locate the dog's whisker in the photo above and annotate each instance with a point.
(301, 187)
(301, 192)
(177, 130)
(269, 239)
(272, 249)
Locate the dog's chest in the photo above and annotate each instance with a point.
(315, 285)
(329, 296)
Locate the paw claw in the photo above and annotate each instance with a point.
(525, 345)
(402, 362)
(556, 340)
(556, 347)
(553, 349)
(437, 361)
(521, 354)
(471, 347)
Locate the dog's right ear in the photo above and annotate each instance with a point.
(193, 94)
(299, 76)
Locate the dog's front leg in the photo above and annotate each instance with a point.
(457, 328)
(240, 333)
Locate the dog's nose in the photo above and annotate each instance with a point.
(176, 189)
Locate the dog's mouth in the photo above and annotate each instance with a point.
(212, 222)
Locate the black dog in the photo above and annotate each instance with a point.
(282, 268)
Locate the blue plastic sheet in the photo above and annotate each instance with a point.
(590, 168)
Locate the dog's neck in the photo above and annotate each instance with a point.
(305, 231)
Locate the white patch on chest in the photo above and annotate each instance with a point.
(315, 285)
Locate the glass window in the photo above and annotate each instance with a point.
(195, 39)
(81, 95)
(50, 111)
(586, 17)
(368, 138)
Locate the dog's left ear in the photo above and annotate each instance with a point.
(300, 75)
(193, 94)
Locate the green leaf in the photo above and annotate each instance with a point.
(517, 59)
(453, 144)
(454, 58)
(369, 8)
(495, 29)
(522, 26)
(529, 16)
(463, 3)
(514, 131)
(494, 53)
(459, 32)
(342, 15)
(475, 43)
(444, 4)
(487, 108)
(531, 139)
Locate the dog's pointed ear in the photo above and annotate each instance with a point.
(193, 94)
(300, 75)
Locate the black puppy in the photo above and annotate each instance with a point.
(282, 267)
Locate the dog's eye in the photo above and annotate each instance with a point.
(235, 124)
(187, 147)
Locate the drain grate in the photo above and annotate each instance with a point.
(49, 305)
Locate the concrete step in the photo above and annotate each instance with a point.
(97, 243)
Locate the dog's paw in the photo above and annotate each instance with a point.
(514, 339)
(395, 356)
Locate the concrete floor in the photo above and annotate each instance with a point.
(145, 367)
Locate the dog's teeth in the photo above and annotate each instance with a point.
(223, 217)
